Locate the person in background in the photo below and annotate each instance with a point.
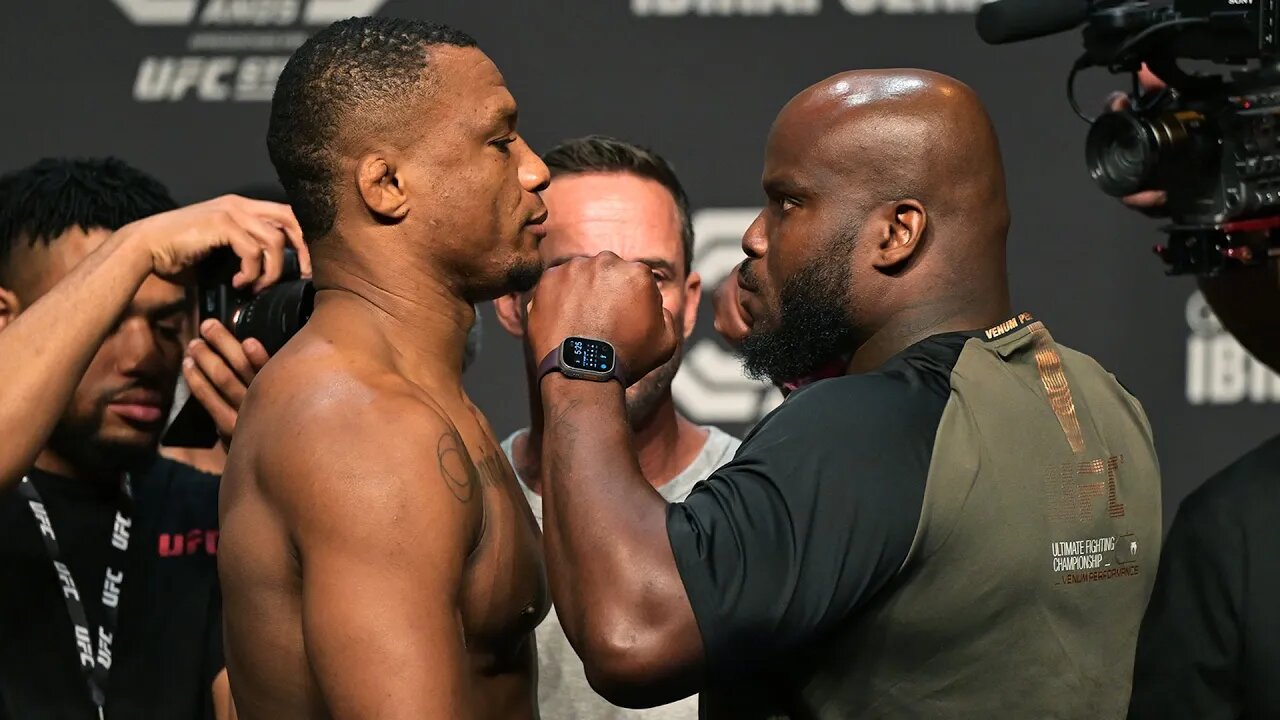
(1209, 648)
(110, 602)
(608, 195)
(919, 533)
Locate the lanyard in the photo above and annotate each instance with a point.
(96, 666)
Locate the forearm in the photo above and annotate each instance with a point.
(605, 526)
(45, 350)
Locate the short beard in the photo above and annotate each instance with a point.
(522, 277)
(812, 327)
(644, 396)
(77, 441)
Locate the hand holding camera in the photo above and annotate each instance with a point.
(238, 247)
(257, 232)
(1147, 202)
(1203, 149)
(218, 369)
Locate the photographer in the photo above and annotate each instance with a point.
(1209, 647)
(110, 604)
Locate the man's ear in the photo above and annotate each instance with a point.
(10, 306)
(382, 187)
(692, 298)
(510, 309)
(903, 235)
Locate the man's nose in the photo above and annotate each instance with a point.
(534, 175)
(137, 349)
(755, 241)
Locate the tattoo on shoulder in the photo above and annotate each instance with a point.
(456, 467)
(493, 468)
(460, 473)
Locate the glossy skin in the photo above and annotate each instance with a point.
(377, 556)
(636, 219)
(906, 163)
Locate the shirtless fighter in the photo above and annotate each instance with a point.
(377, 557)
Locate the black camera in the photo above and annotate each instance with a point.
(1209, 141)
(271, 317)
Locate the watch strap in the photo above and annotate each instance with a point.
(550, 363)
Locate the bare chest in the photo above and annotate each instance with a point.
(504, 593)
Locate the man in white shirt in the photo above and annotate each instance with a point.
(609, 195)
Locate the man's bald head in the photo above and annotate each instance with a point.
(886, 193)
(906, 134)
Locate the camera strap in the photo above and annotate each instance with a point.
(95, 665)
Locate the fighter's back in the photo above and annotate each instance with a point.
(377, 559)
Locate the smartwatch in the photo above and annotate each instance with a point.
(583, 358)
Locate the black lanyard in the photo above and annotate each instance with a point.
(96, 665)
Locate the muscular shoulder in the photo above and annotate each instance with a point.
(334, 434)
(318, 379)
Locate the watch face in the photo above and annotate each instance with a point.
(594, 356)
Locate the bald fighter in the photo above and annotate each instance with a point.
(378, 559)
(963, 525)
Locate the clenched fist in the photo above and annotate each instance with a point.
(606, 298)
(256, 230)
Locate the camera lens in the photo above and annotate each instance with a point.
(1122, 153)
(1127, 153)
(276, 314)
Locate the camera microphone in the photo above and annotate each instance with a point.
(1009, 21)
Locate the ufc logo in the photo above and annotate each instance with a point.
(68, 583)
(111, 588)
(191, 543)
(104, 648)
(1075, 490)
(42, 516)
(85, 645)
(120, 533)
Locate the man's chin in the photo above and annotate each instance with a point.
(127, 444)
(523, 278)
(779, 358)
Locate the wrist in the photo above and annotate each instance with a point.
(561, 393)
(583, 358)
(132, 250)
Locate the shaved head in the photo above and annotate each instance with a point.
(886, 205)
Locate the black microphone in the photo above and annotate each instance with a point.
(1009, 21)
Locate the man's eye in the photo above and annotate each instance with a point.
(504, 144)
(787, 203)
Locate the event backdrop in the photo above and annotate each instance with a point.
(181, 88)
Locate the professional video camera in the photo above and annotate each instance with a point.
(271, 317)
(1210, 141)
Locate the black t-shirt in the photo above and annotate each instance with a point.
(1209, 648)
(816, 512)
(168, 642)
